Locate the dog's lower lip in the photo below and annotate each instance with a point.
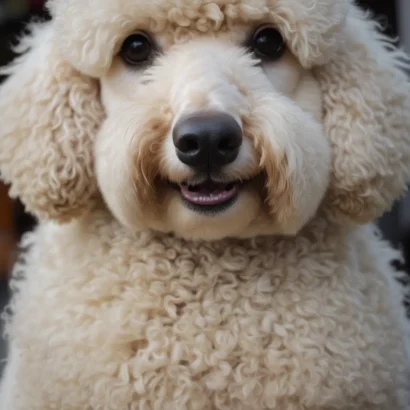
(209, 194)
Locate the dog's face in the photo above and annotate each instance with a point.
(211, 133)
(207, 118)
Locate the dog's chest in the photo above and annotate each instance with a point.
(207, 328)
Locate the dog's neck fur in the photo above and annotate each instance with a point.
(320, 230)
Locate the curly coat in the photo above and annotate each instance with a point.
(124, 299)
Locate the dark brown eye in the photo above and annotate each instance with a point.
(268, 44)
(137, 49)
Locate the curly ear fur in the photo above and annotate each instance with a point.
(366, 99)
(50, 115)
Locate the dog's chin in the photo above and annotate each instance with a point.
(211, 210)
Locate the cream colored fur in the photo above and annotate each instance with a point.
(126, 299)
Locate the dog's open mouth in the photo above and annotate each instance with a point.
(209, 196)
(209, 193)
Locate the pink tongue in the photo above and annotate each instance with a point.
(208, 196)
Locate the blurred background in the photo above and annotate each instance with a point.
(14, 14)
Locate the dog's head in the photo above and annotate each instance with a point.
(207, 118)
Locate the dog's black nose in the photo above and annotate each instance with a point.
(207, 140)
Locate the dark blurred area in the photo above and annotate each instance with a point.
(14, 15)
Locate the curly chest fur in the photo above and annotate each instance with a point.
(156, 323)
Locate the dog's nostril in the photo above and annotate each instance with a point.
(188, 144)
(229, 143)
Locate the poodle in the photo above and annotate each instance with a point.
(206, 174)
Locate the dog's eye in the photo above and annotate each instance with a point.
(137, 49)
(267, 43)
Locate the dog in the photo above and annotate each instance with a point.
(206, 174)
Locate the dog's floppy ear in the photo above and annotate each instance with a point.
(50, 114)
(366, 98)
